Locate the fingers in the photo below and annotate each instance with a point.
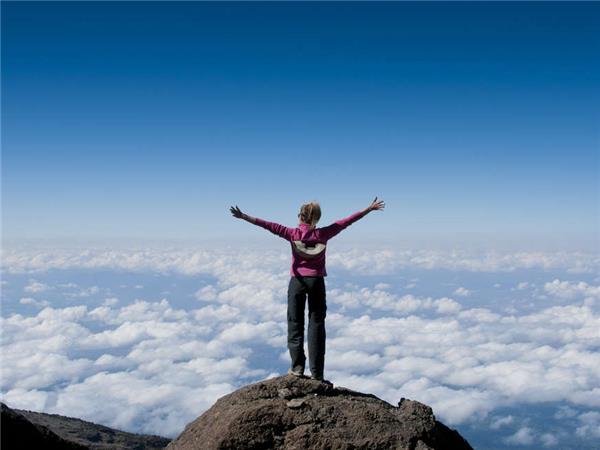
(375, 202)
(377, 205)
(237, 212)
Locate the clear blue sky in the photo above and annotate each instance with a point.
(150, 119)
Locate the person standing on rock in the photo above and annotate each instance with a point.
(307, 278)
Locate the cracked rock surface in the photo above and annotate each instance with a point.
(289, 412)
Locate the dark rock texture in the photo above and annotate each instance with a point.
(299, 413)
(29, 430)
(18, 433)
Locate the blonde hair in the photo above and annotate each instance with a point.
(310, 213)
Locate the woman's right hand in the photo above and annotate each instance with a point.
(237, 212)
(376, 205)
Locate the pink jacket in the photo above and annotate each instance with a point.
(309, 245)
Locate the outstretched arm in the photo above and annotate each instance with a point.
(238, 214)
(275, 228)
(336, 227)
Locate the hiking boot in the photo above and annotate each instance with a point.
(296, 371)
(321, 379)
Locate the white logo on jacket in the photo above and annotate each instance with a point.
(306, 251)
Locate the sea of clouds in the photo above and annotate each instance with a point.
(503, 346)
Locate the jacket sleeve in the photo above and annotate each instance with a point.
(331, 230)
(275, 228)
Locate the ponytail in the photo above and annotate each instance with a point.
(310, 213)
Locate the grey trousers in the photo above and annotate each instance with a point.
(299, 288)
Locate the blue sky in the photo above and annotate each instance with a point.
(150, 119)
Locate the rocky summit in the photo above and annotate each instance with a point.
(290, 412)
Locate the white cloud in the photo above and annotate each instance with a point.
(479, 315)
(86, 292)
(456, 406)
(128, 333)
(35, 286)
(31, 399)
(499, 422)
(222, 313)
(189, 260)
(447, 306)
(207, 293)
(132, 402)
(466, 362)
(565, 412)
(356, 362)
(549, 439)
(110, 301)
(474, 349)
(107, 362)
(524, 436)
(36, 369)
(270, 332)
(169, 375)
(462, 292)
(589, 425)
(385, 301)
(34, 302)
(572, 290)
(486, 357)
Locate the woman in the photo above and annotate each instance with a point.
(307, 278)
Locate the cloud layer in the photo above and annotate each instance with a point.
(373, 260)
(145, 365)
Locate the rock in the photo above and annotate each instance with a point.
(285, 393)
(290, 412)
(30, 430)
(18, 433)
(296, 402)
